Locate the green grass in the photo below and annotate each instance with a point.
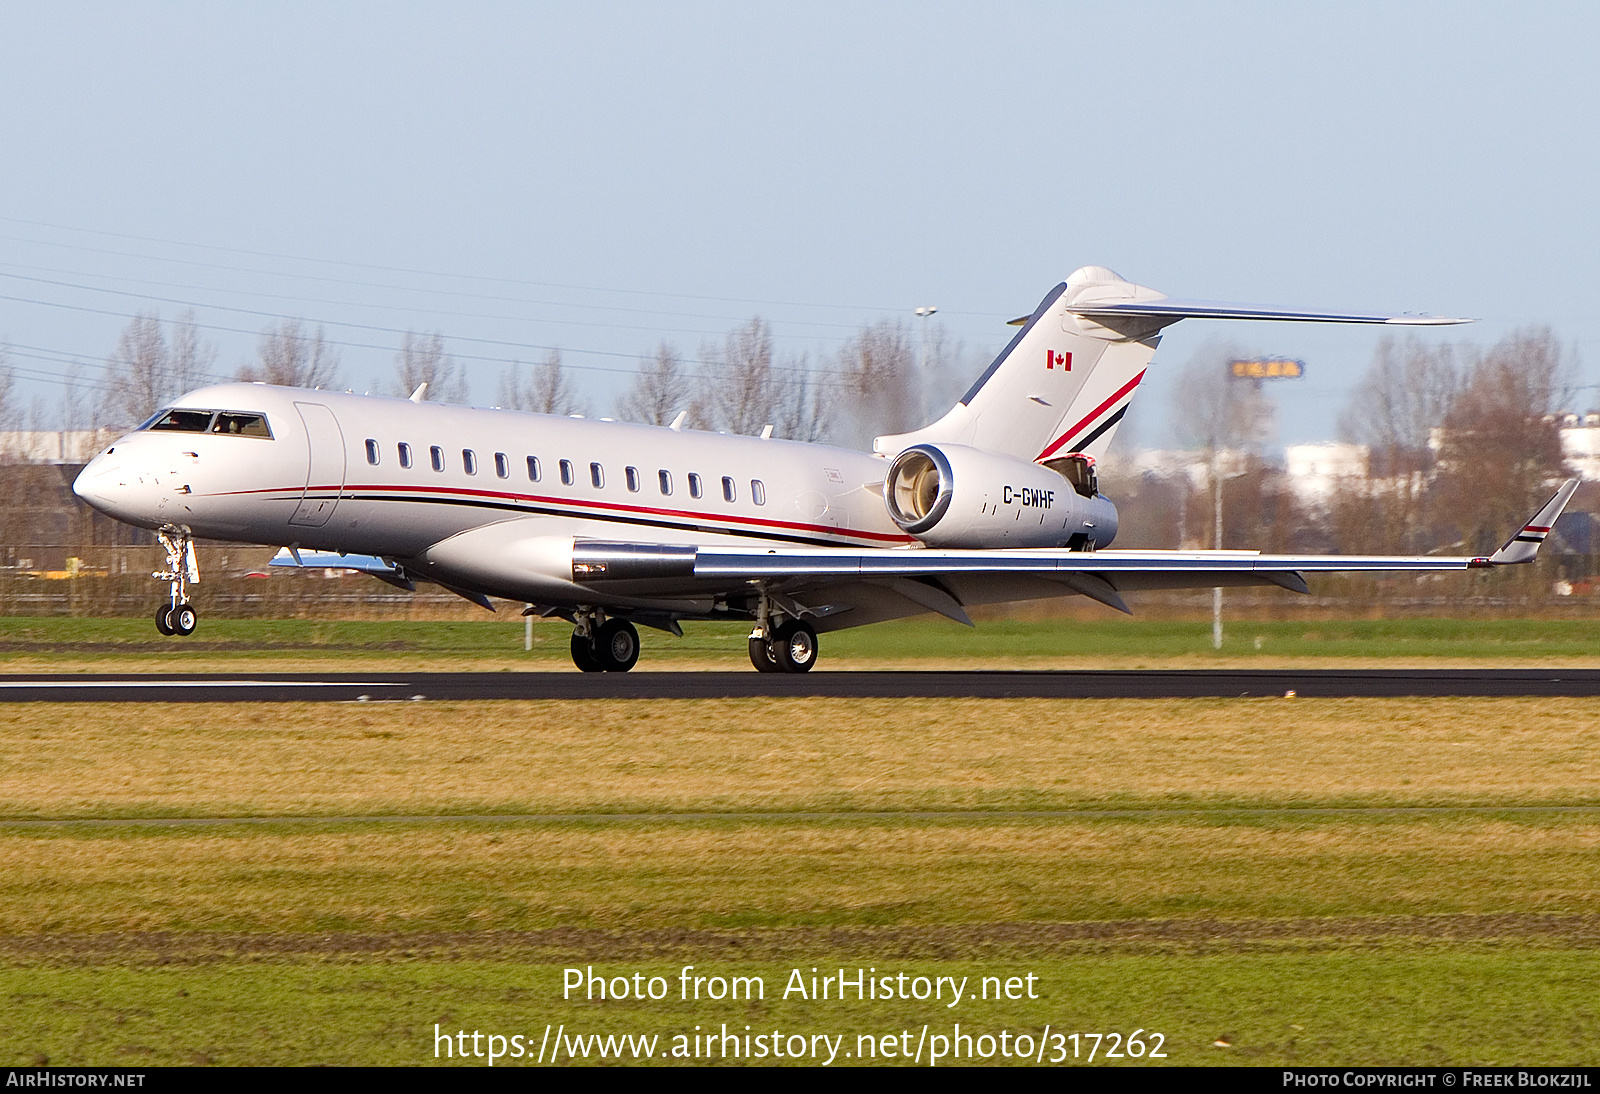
(719, 874)
(1406, 937)
(1390, 1005)
(497, 643)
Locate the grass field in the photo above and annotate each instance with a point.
(496, 643)
(1306, 881)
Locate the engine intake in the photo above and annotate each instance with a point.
(918, 488)
(955, 496)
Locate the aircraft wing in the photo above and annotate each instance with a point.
(842, 587)
(945, 580)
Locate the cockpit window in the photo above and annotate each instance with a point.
(184, 421)
(230, 422)
(241, 425)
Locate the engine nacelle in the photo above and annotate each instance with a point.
(949, 495)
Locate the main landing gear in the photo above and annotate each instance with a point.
(604, 645)
(177, 616)
(786, 646)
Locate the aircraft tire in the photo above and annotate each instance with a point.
(182, 619)
(583, 654)
(617, 645)
(163, 619)
(794, 648)
(761, 656)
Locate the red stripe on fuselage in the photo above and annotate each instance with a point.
(355, 492)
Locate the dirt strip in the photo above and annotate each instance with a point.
(962, 942)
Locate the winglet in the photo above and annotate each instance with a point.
(1524, 546)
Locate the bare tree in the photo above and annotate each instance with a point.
(1227, 419)
(189, 360)
(8, 406)
(877, 371)
(661, 389)
(1500, 445)
(740, 380)
(1213, 410)
(289, 357)
(422, 360)
(1395, 409)
(1404, 395)
(138, 380)
(71, 415)
(804, 407)
(545, 389)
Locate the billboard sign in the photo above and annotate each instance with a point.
(1267, 368)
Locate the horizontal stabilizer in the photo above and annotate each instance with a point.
(1171, 309)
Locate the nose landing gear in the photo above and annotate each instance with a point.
(177, 616)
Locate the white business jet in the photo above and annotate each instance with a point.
(609, 525)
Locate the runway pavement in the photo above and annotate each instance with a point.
(1133, 684)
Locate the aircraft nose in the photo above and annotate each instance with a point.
(98, 483)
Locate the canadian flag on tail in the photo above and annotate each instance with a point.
(1052, 359)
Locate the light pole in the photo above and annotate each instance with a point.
(1216, 524)
(922, 354)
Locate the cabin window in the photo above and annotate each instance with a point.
(567, 476)
(597, 475)
(695, 489)
(632, 475)
(437, 455)
(372, 452)
(241, 425)
(665, 478)
(469, 461)
(184, 421)
(533, 468)
(405, 454)
(502, 466)
(758, 492)
(727, 489)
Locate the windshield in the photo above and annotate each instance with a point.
(242, 425)
(230, 422)
(184, 421)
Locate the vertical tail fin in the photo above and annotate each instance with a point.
(1064, 382)
(1066, 379)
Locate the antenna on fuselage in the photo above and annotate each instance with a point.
(416, 396)
(677, 423)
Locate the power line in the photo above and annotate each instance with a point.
(380, 285)
(413, 271)
(501, 360)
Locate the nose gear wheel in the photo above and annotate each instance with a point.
(177, 616)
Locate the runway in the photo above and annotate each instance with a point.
(1085, 684)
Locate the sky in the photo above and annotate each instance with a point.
(603, 177)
